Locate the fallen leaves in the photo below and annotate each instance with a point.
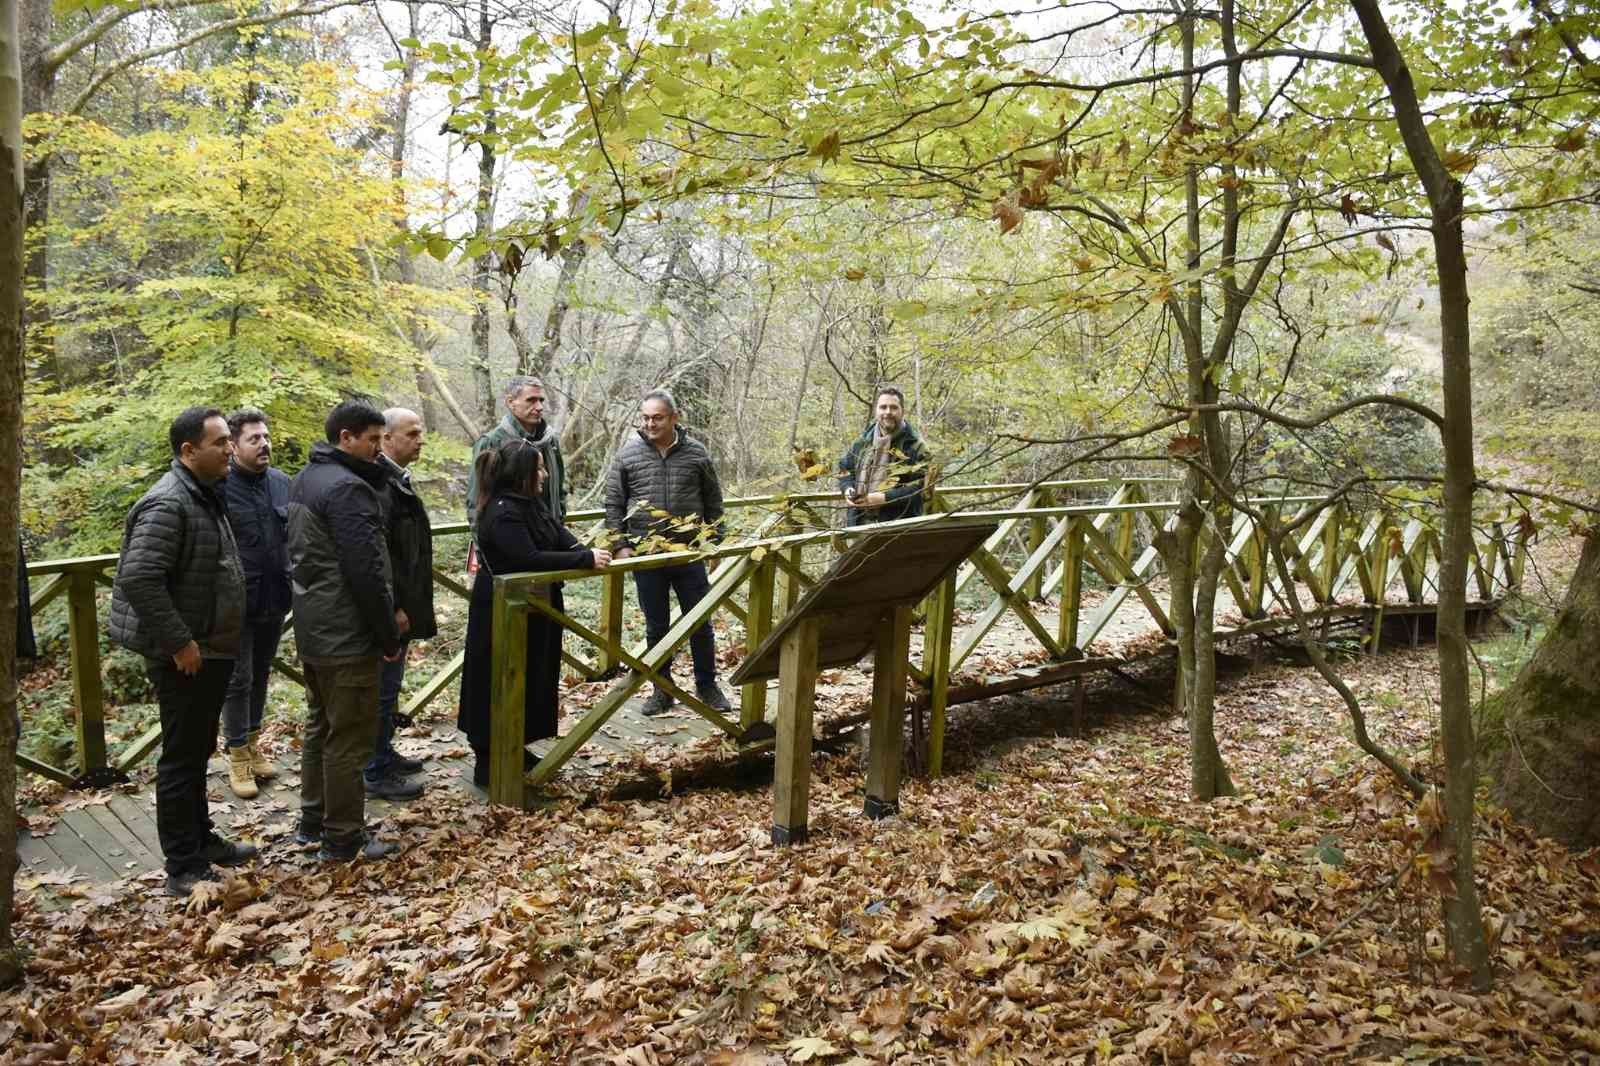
(1051, 899)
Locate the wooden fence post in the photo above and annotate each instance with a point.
(886, 740)
(1071, 587)
(508, 686)
(937, 638)
(758, 623)
(88, 692)
(797, 690)
(610, 623)
(1033, 588)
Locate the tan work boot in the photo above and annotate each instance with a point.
(260, 766)
(240, 779)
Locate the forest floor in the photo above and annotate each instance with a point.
(1053, 898)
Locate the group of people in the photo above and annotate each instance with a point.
(219, 551)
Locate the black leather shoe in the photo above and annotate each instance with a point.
(368, 849)
(660, 702)
(711, 695)
(393, 787)
(180, 885)
(402, 721)
(226, 853)
(403, 765)
(307, 835)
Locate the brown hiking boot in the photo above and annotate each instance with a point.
(240, 779)
(260, 766)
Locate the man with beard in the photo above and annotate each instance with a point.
(178, 599)
(258, 509)
(345, 626)
(882, 473)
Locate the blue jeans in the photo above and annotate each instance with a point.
(690, 583)
(246, 699)
(390, 678)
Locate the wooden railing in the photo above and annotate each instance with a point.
(1046, 540)
(1338, 555)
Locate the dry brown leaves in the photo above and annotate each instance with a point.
(1049, 901)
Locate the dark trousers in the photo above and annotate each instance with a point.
(190, 709)
(391, 675)
(246, 700)
(690, 583)
(341, 729)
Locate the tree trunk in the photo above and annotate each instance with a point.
(38, 81)
(406, 263)
(11, 223)
(483, 220)
(1463, 920)
(1547, 760)
(543, 361)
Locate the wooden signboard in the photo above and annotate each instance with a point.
(863, 603)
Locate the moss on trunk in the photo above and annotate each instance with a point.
(1547, 744)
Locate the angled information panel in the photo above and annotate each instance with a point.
(883, 566)
(863, 603)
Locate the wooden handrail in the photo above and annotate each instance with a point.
(1338, 547)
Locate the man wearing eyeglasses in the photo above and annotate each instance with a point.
(662, 494)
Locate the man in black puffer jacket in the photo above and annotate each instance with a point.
(345, 625)
(663, 493)
(178, 600)
(411, 561)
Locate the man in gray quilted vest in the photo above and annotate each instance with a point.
(662, 494)
(178, 600)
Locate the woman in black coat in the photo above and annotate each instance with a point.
(515, 533)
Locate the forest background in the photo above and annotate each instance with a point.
(1085, 240)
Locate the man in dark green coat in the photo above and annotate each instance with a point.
(882, 473)
(524, 420)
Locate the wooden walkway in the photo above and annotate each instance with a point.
(1367, 568)
(109, 834)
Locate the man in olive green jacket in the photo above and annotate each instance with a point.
(524, 420)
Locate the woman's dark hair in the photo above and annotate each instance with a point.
(512, 467)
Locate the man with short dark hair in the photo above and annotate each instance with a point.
(661, 477)
(258, 509)
(345, 625)
(524, 420)
(411, 561)
(882, 473)
(179, 600)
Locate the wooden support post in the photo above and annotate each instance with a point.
(88, 694)
(790, 587)
(1033, 587)
(758, 623)
(937, 638)
(606, 661)
(1071, 588)
(797, 690)
(886, 742)
(507, 713)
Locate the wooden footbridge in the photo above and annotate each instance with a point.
(1068, 574)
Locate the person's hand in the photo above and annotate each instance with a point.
(712, 564)
(602, 558)
(622, 553)
(394, 656)
(187, 659)
(402, 620)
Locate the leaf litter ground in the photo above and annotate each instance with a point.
(1052, 899)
